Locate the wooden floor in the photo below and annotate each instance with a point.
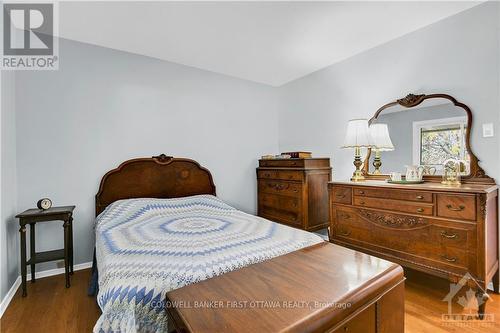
(49, 307)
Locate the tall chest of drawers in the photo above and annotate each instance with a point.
(294, 191)
(444, 231)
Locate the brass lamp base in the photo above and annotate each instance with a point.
(377, 162)
(451, 182)
(357, 175)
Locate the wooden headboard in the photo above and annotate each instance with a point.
(156, 177)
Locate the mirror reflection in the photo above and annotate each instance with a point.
(427, 135)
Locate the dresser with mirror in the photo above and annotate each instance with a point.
(448, 230)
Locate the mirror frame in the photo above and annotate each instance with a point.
(477, 174)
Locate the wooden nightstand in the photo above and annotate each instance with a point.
(33, 216)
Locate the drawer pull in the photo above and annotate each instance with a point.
(345, 216)
(361, 202)
(447, 235)
(361, 192)
(420, 210)
(448, 259)
(458, 209)
(344, 233)
(280, 187)
(340, 196)
(267, 175)
(420, 197)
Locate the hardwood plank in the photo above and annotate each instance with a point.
(424, 306)
(50, 307)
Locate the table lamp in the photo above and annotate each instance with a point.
(357, 137)
(381, 141)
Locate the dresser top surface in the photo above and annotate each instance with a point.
(298, 163)
(427, 186)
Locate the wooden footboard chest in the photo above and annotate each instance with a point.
(322, 288)
(444, 231)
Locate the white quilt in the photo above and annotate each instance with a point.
(147, 247)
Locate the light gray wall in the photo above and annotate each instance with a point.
(104, 106)
(458, 55)
(400, 126)
(9, 253)
(497, 127)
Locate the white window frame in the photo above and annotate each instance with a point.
(418, 125)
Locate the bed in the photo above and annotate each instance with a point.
(160, 227)
(156, 238)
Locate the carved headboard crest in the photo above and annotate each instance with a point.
(162, 158)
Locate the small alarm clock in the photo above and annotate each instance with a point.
(44, 203)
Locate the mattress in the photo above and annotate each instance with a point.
(147, 247)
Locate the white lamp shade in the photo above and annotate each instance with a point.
(357, 134)
(379, 134)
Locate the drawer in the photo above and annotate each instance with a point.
(283, 163)
(456, 206)
(280, 187)
(290, 175)
(342, 195)
(364, 322)
(395, 205)
(400, 234)
(449, 237)
(418, 196)
(345, 215)
(280, 174)
(450, 256)
(281, 208)
(267, 174)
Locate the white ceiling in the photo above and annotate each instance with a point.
(267, 42)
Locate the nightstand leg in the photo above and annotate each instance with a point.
(496, 281)
(66, 252)
(22, 232)
(71, 258)
(32, 250)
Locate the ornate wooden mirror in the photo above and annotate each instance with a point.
(425, 130)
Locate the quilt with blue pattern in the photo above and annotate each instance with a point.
(147, 247)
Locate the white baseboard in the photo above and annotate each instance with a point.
(39, 275)
(8, 297)
(57, 271)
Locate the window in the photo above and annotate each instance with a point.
(435, 141)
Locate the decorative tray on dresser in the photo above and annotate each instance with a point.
(450, 231)
(294, 191)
